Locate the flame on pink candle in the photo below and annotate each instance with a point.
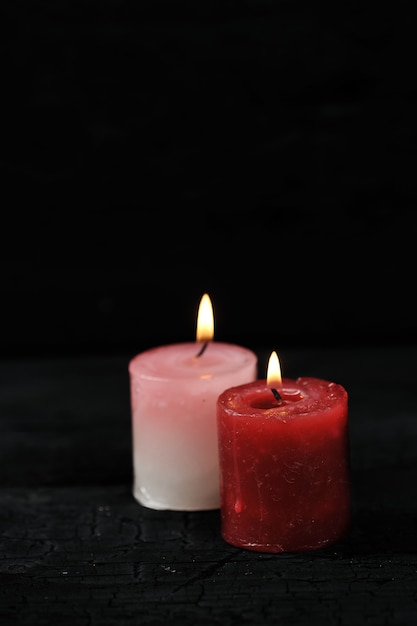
(205, 320)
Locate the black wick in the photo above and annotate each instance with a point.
(276, 395)
(203, 347)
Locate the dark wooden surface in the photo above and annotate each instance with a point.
(77, 549)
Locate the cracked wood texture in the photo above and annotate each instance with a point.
(77, 549)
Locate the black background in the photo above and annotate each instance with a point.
(262, 152)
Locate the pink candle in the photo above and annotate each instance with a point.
(174, 390)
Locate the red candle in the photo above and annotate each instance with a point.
(284, 463)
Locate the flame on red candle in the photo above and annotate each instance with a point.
(273, 376)
(205, 320)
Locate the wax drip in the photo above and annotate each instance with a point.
(203, 347)
(276, 395)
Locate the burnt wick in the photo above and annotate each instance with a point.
(276, 395)
(203, 347)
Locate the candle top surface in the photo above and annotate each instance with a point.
(298, 397)
(181, 360)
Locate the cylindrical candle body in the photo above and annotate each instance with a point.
(284, 466)
(173, 398)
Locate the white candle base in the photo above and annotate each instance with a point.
(172, 504)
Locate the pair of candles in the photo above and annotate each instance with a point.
(272, 454)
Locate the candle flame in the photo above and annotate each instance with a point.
(273, 376)
(205, 320)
